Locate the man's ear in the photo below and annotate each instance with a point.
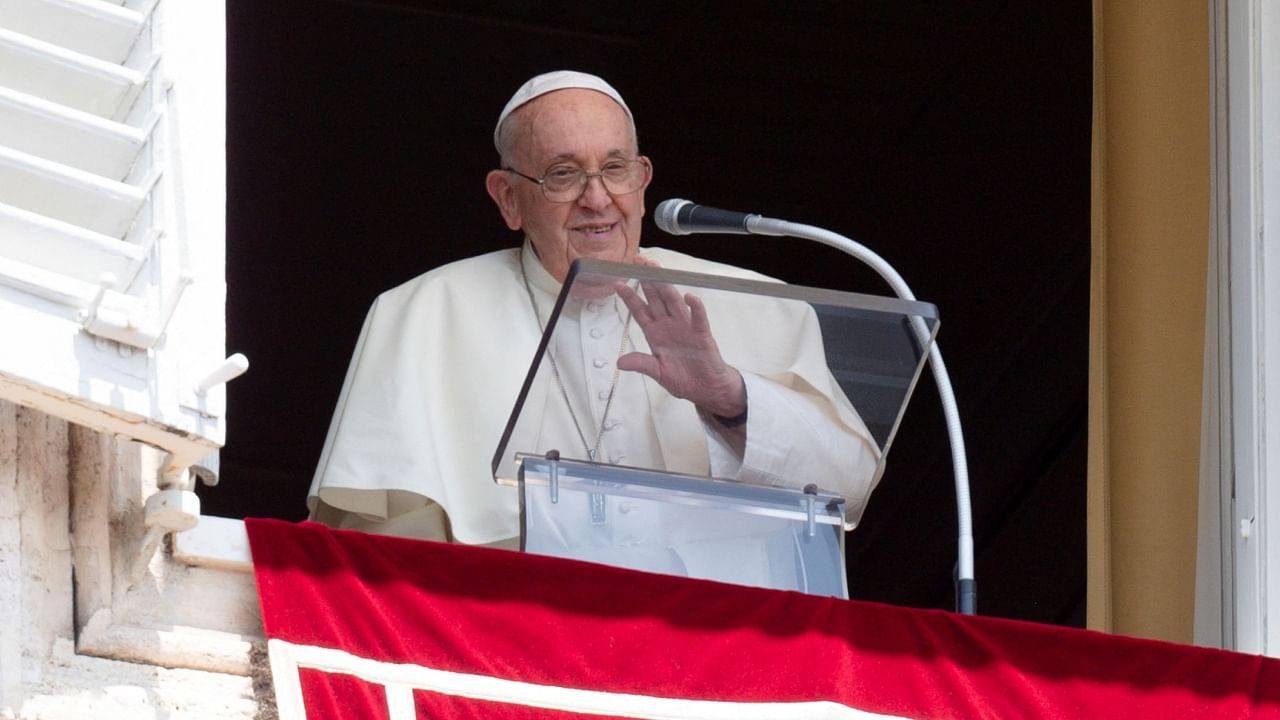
(498, 183)
(647, 180)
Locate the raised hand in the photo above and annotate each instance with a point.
(685, 359)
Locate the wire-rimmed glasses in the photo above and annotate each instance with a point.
(566, 183)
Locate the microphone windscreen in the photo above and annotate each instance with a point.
(665, 216)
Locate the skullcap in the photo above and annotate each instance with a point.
(550, 82)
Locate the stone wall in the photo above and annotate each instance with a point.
(94, 624)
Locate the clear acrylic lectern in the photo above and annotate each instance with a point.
(616, 467)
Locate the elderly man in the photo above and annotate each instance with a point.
(441, 358)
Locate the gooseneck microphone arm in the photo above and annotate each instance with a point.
(682, 217)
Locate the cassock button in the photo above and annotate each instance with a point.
(626, 508)
(597, 333)
(593, 306)
(599, 362)
(603, 394)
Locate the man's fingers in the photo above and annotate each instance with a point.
(636, 304)
(697, 314)
(643, 363)
(664, 299)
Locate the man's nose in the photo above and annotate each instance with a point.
(595, 194)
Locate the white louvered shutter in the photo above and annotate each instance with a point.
(112, 195)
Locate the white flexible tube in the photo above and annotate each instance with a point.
(966, 600)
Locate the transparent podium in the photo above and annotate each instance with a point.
(618, 460)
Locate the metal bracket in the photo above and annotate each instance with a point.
(553, 475)
(126, 329)
(173, 508)
(811, 510)
(196, 397)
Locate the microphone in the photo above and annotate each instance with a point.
(682, 217)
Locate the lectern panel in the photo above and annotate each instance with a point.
(733, 382)
(684, 526)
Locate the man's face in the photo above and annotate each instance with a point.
(586, 129)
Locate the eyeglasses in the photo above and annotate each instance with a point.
(566, 183)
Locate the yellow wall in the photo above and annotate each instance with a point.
(1150, 243)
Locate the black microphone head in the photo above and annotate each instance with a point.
(665, 216)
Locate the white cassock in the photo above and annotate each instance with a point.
(440, 362)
